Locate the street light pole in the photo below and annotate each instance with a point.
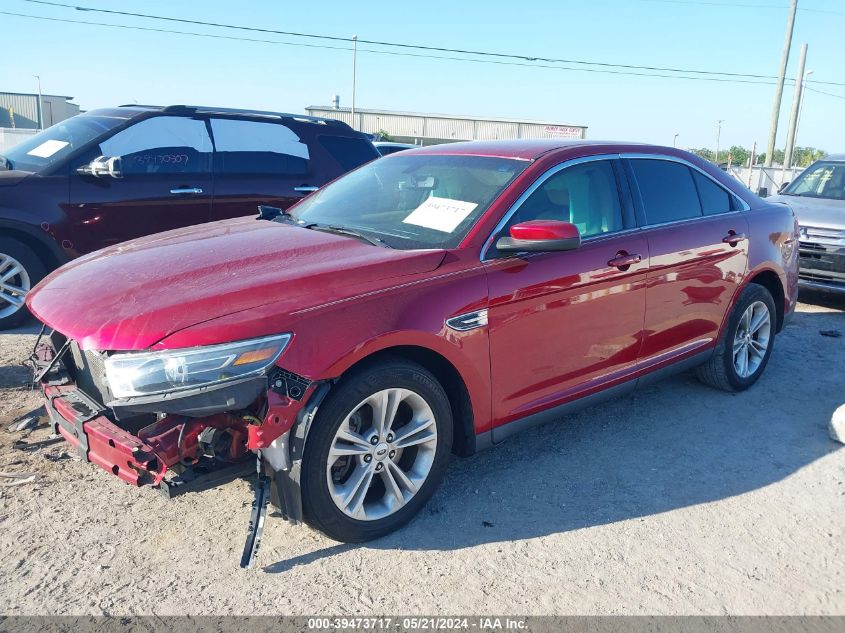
(793, 116)
(354, 78)
(40, 107)
(675, 140)
(718, 138)
(801, 106)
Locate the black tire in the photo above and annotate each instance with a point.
(35, 270)
(319, 510)
(719, 371)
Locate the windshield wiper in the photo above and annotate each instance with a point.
(342, 230)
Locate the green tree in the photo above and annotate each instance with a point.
(739, 155)
(383, 135)
(706, 154)
(803, 156)
(777, 159)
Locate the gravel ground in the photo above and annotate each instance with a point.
(679, 500)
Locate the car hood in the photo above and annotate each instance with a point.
(817, 212)
(132, 295)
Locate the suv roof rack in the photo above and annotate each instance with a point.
(240, 111)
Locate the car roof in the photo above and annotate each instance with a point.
(133, 109)
(526, 149)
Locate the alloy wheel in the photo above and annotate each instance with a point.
(751, 341)
(381, 454)
(14, 284)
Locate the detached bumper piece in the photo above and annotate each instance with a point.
(98, 440)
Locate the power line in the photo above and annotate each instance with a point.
(529, 62)
(743, 5)
(525, 58)
(382, 52)
(821, 92)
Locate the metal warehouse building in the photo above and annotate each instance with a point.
(428, 129)
(19, 110)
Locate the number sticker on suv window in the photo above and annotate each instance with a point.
(440, 214)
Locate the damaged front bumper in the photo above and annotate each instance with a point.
(208, 440)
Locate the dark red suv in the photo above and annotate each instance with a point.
(432, 302)
(113, 175)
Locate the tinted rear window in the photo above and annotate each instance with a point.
(714, 199)
(667, 190)
(257, 147)
(349, 152)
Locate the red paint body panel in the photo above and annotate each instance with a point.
(562, 322)
(561, 325)
(160, 284)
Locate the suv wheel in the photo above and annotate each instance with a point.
(376, 451)
(20, 270)
(740, 358)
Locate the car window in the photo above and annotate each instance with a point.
(714, 198)
(667, 190)
(161, 145)
(50, 146)
(585, 195)
(412, 200)
(820, 180)
(349, 152)
(257, 147)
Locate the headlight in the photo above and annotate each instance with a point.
(145, 373)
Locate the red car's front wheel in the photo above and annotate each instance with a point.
(377, 451)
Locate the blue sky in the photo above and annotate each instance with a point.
(103, 66)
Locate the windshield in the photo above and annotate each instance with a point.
(412, 201)
(51, 145)
(820, 180)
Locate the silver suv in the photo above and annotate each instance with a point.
(817, 197)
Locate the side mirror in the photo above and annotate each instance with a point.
(540, 236)
(102, 166)
(783, 186)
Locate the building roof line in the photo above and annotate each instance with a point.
(458, 117)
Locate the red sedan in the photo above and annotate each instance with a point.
(428, 303)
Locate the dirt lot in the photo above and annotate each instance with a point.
(678, 500)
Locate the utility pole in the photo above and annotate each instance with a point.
(796, 104)
(718, 138)
(40, 106)
(773, 127)
(354, 72)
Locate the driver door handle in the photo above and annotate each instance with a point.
(622, 261)
(733, 238)
(184, 190)
(305, 189)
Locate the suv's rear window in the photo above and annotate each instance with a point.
(349, 152)
(257, 147)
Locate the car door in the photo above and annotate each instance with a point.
(563, 324)
(697, 238)
(162, 182)
(258, 162)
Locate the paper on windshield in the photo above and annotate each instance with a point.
(440, 214)
(47, 149)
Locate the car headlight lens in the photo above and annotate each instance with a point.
(147, 373)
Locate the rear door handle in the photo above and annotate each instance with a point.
(623, 260)
(306, 189)
(185, 190)
(733, 238)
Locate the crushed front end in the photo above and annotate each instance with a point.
(180, 420)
